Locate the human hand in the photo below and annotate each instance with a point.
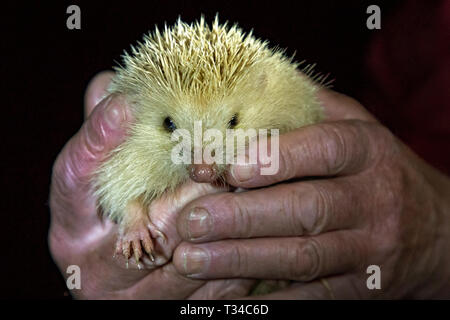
(79, 236)
(348, 194)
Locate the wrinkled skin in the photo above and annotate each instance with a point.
(367, 200)
(79, 236)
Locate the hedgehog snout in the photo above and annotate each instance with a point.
(203, 172)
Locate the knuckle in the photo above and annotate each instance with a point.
(313, 253)
(346, 145)
(287, 163)
(321, 207)
(71, 170)
(93, 135)
(239, 261)
(291, 206)
(306, 209)
(336, 148)
(73, 165)
(242, 223)
(304, 260)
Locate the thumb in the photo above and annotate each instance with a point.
(70, 192)
(96, 91)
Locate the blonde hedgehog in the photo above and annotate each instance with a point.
(214, 74)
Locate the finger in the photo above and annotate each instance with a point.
(96, 91)
(326, 149)
(339, 106)
(295, 209)
(297, 258)
(103, 130)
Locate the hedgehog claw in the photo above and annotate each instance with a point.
(136, 241)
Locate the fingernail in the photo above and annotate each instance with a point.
(196, 261)
(243, 173)
(199, 223)
(114, 115)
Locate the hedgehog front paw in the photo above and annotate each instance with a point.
(137, 235)
(136, 241)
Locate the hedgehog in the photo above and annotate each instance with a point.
(212, 73)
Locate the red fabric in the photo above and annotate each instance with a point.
(409, 62)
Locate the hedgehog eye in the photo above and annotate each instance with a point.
(233, 122)
(169, 125)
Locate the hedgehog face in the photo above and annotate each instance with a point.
(212, 119)
(208, 123)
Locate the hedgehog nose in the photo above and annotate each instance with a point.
(203, 172)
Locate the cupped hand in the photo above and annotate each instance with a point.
(347, 195)
(80, 236)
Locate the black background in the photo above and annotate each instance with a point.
(45, 69)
